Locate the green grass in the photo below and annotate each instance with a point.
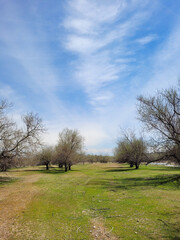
(133, 204)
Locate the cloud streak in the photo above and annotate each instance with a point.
(27, 47)
(98, 33)
(81, 63)
(147, 39)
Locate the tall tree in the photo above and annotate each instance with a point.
(70, 145)
(161, 116)
(14, 141)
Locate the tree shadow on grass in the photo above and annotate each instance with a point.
(163, 169)
(50, 171)
(120, 169)
(5, 180)
(171, 229)
(160, 180)
(170, 181)
(143, 168)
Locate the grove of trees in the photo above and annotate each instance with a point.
(160, 115)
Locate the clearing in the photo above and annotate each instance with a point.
(94, 201)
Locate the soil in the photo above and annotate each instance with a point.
(14, 199)
(99, 232)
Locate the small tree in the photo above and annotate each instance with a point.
(17, 142)
(161, 116)
(69, 146)
(45, 157)
(131, 150)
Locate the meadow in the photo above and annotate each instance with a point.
(93, 201)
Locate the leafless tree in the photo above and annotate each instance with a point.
(69, 147)
(16, 142)
(161, 116)
(45, 156)
(131, 150)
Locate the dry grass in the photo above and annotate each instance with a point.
(14, 199)
(100, 232)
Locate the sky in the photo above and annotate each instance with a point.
(82, 63)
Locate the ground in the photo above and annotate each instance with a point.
(96, 201)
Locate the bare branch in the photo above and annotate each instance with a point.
(161, 114)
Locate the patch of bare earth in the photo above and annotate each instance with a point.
(99, 232)
(14, 199)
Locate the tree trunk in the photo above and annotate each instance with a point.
(47, 166)
(131, 164)
(3, 169)
(69, 166)
(5, 163)
(137, 165)
(60, 165)
(65, 165)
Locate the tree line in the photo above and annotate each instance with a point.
(160, 115)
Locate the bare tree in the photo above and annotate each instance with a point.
(131, 150)
(45, 157)
(14, 141)
(69, 147)
(161, 116)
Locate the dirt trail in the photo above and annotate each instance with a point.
(14, 199)
(99, 232)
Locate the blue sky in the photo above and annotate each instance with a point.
(81, 63)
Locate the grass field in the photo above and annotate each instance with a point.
(98, 201)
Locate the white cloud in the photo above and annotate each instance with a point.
(6, 91)
(94, 134)
(165, 70)
(98, 34)
(94, 29)
(102, 151)
(82, 26)
(96, 11)
(147, 39)
(23, 44)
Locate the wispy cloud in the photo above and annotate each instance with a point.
(26, 45)
(98, 32)
(165, 63)
(147, 39)
(81, 63)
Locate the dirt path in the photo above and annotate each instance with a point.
(14, 199)
(99, 232)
